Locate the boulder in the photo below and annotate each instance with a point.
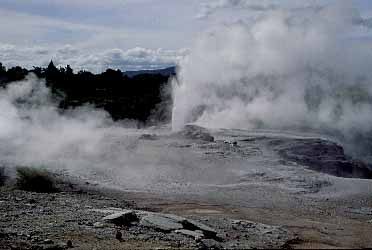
(48, 241)
(121, 218)
(174, 217)
(99, 225)
(119, 235)
(160, 222)
(171, 222)
(195, 225)
(197, 235)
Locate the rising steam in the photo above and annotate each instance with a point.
(286, 70)
(83, 141)
(32, 131)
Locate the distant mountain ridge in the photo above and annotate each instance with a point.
(170, 71)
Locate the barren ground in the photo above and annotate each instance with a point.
(239, 184)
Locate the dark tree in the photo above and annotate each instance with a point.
(2, 69)
(38, 71)
(16, 74)
(138, 97)
(69, 71)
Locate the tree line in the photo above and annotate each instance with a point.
(143, 97)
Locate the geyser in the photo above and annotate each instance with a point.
(298, 69)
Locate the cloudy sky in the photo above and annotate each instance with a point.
(125, 34)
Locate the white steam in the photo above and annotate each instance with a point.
(83, 141)
(287, 69)
(33, 131)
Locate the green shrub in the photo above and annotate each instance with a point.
(35, 180)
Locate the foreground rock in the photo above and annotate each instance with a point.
(207, 231)
(197, 235)
(121, 218)
(159, 221)
(230, 233)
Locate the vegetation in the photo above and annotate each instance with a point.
(35, 180)
(140, 97)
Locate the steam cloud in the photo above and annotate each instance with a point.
(83, 141)
(32, 131)
(285, 70)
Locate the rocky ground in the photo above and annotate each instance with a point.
(199, 189)
(87, 219)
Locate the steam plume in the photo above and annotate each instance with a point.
(285, 70)
(83, 141)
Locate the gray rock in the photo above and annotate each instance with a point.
(48, 241)
(171, 222)
(195, 234)
(174, 217)
(109, 210)
(363, 210)
(69, 244)
(192, 225)
(196, 133)
(160, 222)
(35, 239)
(119, 235)
(322, 156)
(148, 137)
(195, 225)
(121, 218)
(211, 244)
(54, 247)
(99, 225)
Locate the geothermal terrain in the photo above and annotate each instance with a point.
(268, 142)
(196, 188)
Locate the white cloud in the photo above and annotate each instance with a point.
(71, 4)
(79, 37)
(21, 28)
(209, 7)
(132, 59)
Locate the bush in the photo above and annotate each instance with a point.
(35, 180)
(3, 177)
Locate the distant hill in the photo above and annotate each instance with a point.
(171, 71)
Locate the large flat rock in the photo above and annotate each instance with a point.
(194, 234)
(170, 222)
(160, 222)
(195, 225)
(124, 217)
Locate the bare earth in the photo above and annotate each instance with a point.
(238, 184)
